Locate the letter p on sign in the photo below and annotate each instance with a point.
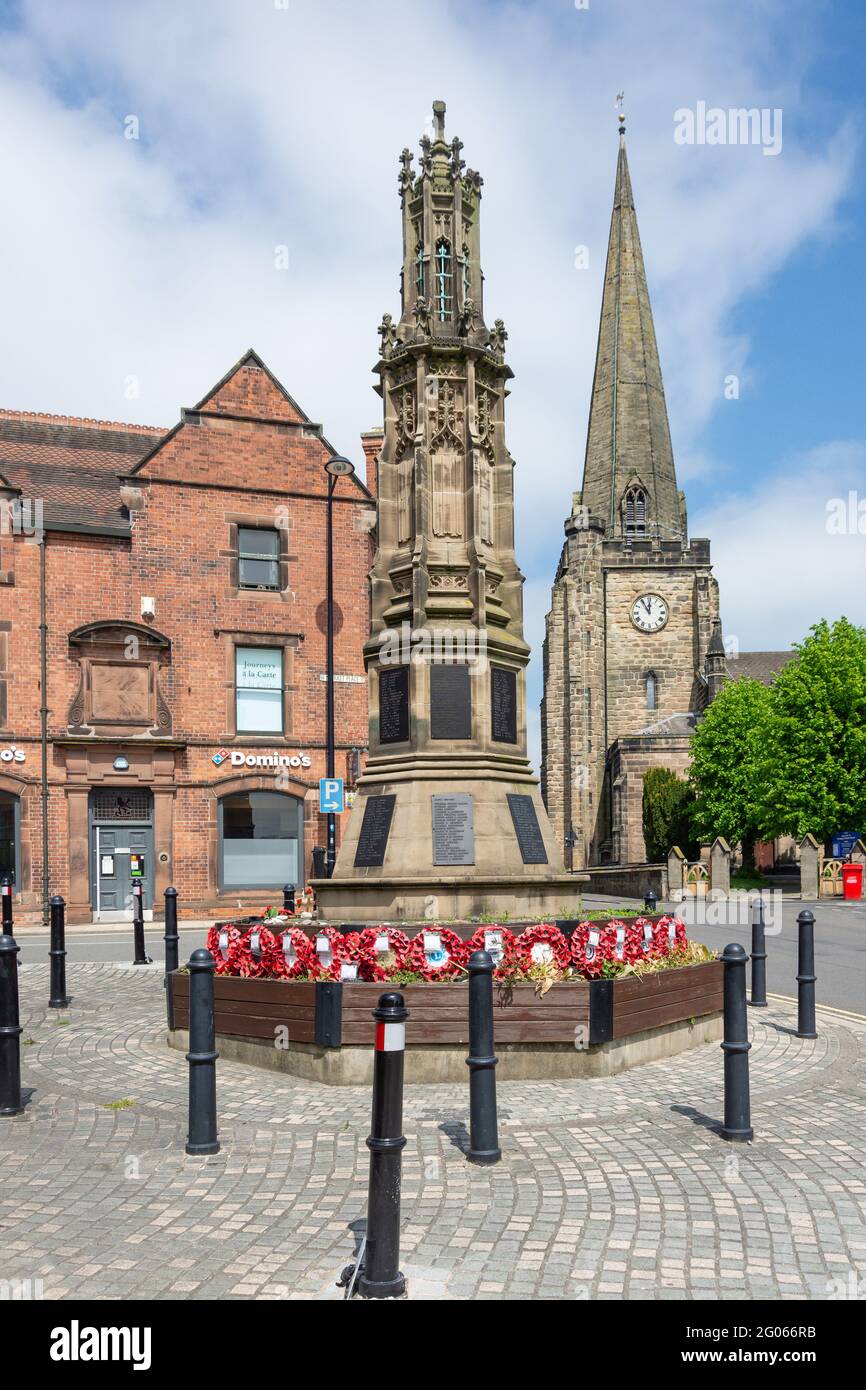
(331, 799)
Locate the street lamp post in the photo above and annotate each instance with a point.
(570, 842)
(335, 468)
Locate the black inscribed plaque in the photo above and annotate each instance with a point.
(503, 704)
(375, 827)
(527, 829)
(450, 702)
(453, 831)
(393, 704)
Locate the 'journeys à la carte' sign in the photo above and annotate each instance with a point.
(237, 758)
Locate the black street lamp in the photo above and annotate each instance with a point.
(570, 842)
(335, 468)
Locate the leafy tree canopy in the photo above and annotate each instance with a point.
(814, 757)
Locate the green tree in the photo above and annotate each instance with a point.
(814, 763)
(727, 771)
(667, 802)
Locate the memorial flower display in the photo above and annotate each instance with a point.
(540, 952)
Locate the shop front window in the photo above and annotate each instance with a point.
(261, 840)
(259, 690)
(8, 836)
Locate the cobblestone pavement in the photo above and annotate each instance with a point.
(616, 1188)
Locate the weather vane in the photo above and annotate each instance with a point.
(620, 97)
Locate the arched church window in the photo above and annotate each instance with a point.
(419, 271)
(635, 512)
(651, 685)
(444, 277)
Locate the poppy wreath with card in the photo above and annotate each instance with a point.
(543, 944)
(670, 932)
(504, 959)
(293, 956)
(591, 949)
(444, 962)
(252, 956)
(327, 962)
(219, 941)
(380, 951)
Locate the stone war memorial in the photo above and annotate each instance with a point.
(449, 821)
(448, 849)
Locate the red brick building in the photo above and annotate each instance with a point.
(182, 577)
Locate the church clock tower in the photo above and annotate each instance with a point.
(634, 600)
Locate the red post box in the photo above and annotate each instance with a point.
(852, 880)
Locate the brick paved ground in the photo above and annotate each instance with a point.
(608, 1188)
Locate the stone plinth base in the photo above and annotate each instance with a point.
(448, 898)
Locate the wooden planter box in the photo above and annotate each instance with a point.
(333, 1015)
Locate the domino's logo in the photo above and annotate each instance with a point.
(220, 757)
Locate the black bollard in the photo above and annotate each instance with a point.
(6, 899)
(289, 899)
(380, 1277)
(172, 943)
(650, 902)
(759, 957)
(57, 955)
(202, 1056)
(483, 1134)
(141, 956)
(10, 1029)
(806, 976)
(737, 1126)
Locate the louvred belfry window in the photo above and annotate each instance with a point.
(635, 512)
(444, 278)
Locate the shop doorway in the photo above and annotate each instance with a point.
(121, 852)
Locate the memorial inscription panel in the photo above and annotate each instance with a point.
(453, 832)
(375, 828)
(503, 704)
(527, 829)
(393, 704)
(450, 702)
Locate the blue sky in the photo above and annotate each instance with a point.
(151, 261)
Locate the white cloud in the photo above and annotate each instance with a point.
(779, 568)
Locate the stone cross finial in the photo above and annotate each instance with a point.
(405, 175)
(439, 120)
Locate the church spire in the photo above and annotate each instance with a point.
(629, 480)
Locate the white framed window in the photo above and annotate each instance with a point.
(259, 690)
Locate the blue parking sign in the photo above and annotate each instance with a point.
(331, 800)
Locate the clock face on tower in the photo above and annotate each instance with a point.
(649, 613)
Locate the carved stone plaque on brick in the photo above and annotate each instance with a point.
(527, 829)
(503, 704)
(453, 832)
(450, 702)
(120, 694)
(393, 704)
(375, 828)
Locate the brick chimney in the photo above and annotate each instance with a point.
(371, 443)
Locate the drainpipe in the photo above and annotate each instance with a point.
(43, 715)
